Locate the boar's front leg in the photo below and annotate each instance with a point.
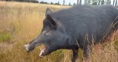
(87, 51)
(75, 54)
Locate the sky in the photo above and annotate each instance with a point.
(66, 1)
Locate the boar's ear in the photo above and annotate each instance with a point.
(48, 11)
(51, 21)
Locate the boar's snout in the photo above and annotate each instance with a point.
(27, 47)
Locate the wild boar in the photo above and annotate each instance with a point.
(74, 28)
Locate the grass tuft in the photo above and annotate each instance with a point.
(5, 37)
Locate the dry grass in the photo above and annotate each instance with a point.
(21, 22)
(106, 52)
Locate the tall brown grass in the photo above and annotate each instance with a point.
(21, 22)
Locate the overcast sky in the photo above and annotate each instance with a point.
(66, 1)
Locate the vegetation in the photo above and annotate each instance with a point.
(22, 22)
(34, 1)
(5, 36)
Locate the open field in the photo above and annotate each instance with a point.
(22, 22)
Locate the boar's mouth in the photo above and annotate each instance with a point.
(44, 51)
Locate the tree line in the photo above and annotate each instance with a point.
(34, 1)
(79, 2)
(90, 2)
(98, 2)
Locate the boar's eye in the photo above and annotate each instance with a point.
(46, 33)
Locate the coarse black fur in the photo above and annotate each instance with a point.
(76, 27)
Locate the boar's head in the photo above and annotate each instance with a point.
(53, 36)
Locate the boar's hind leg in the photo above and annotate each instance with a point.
(75, 54)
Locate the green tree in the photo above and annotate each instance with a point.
(63, 2)
(69, 4)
